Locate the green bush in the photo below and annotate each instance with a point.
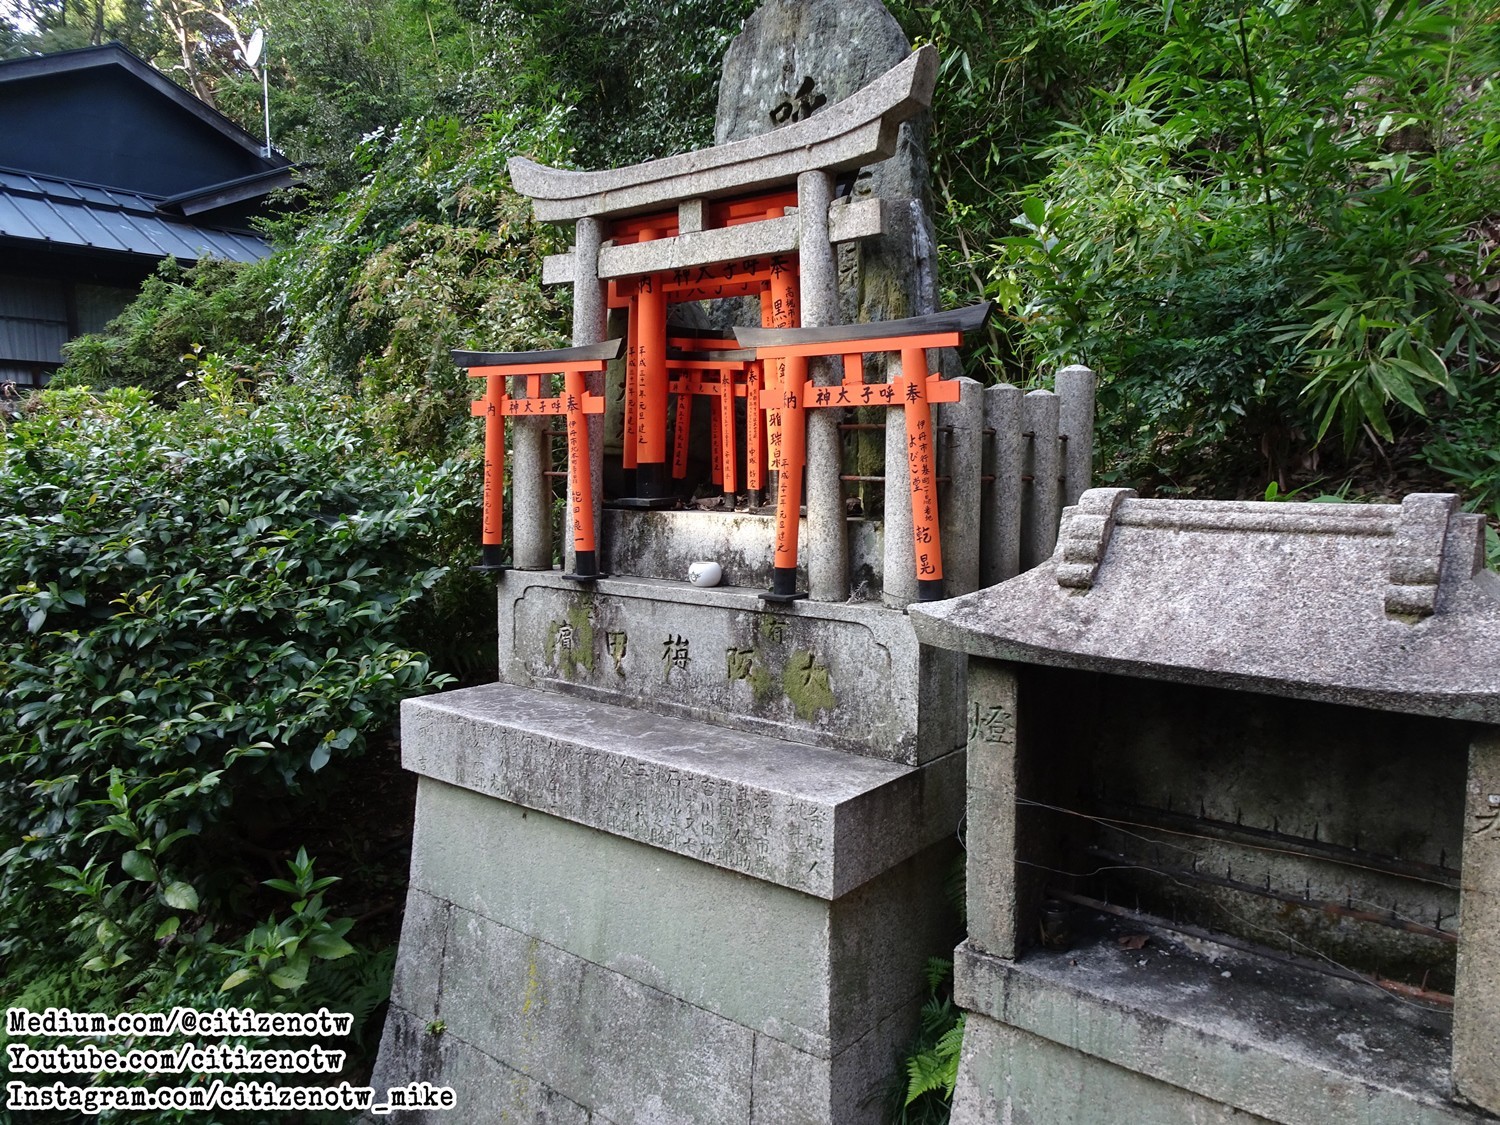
(213, 307)
(430, 251)
(199, 609)
(924, 1094)
(1258, 241)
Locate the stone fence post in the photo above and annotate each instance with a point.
(1012, 462)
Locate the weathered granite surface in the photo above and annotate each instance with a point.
(798, 60)
(702, 951)
(1316, 601)
(1476, 1018)
(846, 676)
(847, 222)
(1239, 1030)
(799, 816)
(1008, 1075)
(587, 1000)
(993, 876)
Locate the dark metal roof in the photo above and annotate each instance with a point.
(83, 216)
(254, 186)
(113, 54)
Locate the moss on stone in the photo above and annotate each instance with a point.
(806, 684)
(762, 684)
(581, 655)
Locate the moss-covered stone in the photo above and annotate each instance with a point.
(574, 649)
(806, 684)
(762, 683)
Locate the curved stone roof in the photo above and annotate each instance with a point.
(857, 131)
(1379, 605)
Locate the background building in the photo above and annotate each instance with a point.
(106, 168)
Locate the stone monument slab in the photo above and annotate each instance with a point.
(846, 676)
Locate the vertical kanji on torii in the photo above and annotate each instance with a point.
(912, 392)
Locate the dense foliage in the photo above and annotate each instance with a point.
(1258, 241)
(216, 310)
(1256, 220)
(1271, 226)
(202, 609)
(1262, 221)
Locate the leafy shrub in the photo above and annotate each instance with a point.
(1260, 240)
(925, 1097)
(641, 78)
(198, 610)
(214, 307)
(432, 249)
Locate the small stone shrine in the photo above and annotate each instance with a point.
(1234, 818)
(685, 862)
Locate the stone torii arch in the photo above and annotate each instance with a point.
(641, 227)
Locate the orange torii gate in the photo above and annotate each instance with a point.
(575, 405)
(718, 369)
(648, 380)
(914, 390)
(759, 215)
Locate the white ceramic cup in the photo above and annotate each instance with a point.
(705, 573)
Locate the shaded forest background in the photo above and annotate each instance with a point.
(1270, 226)
(235, 533)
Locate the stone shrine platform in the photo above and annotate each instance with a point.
(621, 916)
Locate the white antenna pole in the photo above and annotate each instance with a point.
(265, 89)
(254, 52)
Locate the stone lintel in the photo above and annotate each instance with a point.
(847, 222)
(803, 817)
(606, 350)
(1216, 1022)
(966, 319)
(859, 130)
(1283, 599)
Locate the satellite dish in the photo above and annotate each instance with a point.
(253, 48)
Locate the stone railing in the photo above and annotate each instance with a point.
(1013, 460)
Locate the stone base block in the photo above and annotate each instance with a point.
(525, 1032)
(1192, 1032)
(620, 917)
(1011, 1076)
(803, 817)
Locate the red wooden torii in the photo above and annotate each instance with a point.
(787, 395)
(575, 404)
(648, 382)
(760, 216)
(914, 390)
